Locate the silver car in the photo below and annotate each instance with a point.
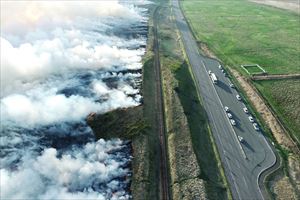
(255, 125)
(251, 118)
(226, 109)
(238, 97)
(229, 115)
(241, 139)
(232, 122)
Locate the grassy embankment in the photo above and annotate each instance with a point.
(193, 163)
(283, 96)
(146, 146)
(241, 32)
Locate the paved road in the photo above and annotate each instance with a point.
(243, 161)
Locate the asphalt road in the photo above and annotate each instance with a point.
(243, 161)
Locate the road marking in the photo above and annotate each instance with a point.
(236, 137)
(245, 181)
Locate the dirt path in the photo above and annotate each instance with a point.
(274, 77)
(164, 183)
(291, 5)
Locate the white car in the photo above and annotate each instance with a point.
(229, 115)
(241, 139)
(232, 122)
(220, 66)
(238, 97)
(231, 85)
(245, 110)
(255, 125)
(226, 109)
(209, 72)
(222, 70)
(251, 119)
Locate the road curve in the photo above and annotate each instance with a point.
(243, 162)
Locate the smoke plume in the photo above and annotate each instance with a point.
(60, 61)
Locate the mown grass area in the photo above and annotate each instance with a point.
(184, 90)
(242, 32)
(284, 98)
(253, 69)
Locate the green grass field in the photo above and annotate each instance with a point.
(252, 69)
(284, 97)
(242, 32)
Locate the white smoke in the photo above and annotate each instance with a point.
(47, 57)
(43, 108)
(60, 61)
(22, 17)
(72, 175)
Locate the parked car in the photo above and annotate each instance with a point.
(229, 115)
(255, 125)
(251, 118)
(226, 109)
(231, 85)
(220, 66)
(232, 122)
(245, 110)
(241, 139)
(238, 97)
(209, 72)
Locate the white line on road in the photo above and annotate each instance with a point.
(236, 137)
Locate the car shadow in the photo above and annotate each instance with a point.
(238, 126)
(235, 117)
(247, 145)
(224, 87)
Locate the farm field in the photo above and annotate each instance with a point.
(283, 96)
(243, 32)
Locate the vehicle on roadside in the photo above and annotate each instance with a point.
(220, 66)
(214, 78)
(222, 70)
(226, 109)
(232, 121)
(229, 115)
(231, 85)
(238, 97)
(255, 125)
(245, 110)
(251, 118)
(241, 139)
(209, 72)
